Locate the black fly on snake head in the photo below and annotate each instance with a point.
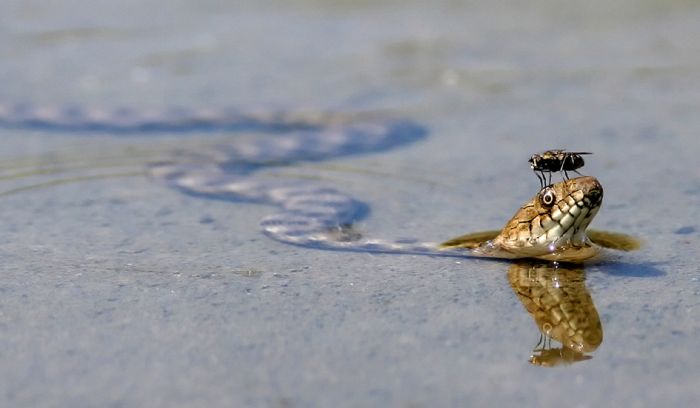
(555, 160)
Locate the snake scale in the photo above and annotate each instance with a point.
(312, 214)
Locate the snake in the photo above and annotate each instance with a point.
(552, 225)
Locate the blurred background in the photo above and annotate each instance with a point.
(118, 291)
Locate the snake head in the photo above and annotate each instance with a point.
(552, 225)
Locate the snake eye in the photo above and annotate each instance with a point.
(547, 197)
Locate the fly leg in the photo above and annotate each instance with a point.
(540, 341)
(562, 169)
(540, 178)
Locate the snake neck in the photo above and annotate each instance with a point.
(552, 225)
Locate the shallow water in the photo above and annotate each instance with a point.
(117, 290)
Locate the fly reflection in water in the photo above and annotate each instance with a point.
(555, 295)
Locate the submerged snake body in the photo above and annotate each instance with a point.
(315, 215)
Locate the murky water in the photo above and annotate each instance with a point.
(117, 290)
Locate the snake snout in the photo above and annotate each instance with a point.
(591, 188)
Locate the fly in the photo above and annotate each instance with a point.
(555, 160)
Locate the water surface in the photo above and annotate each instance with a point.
(117, 290)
